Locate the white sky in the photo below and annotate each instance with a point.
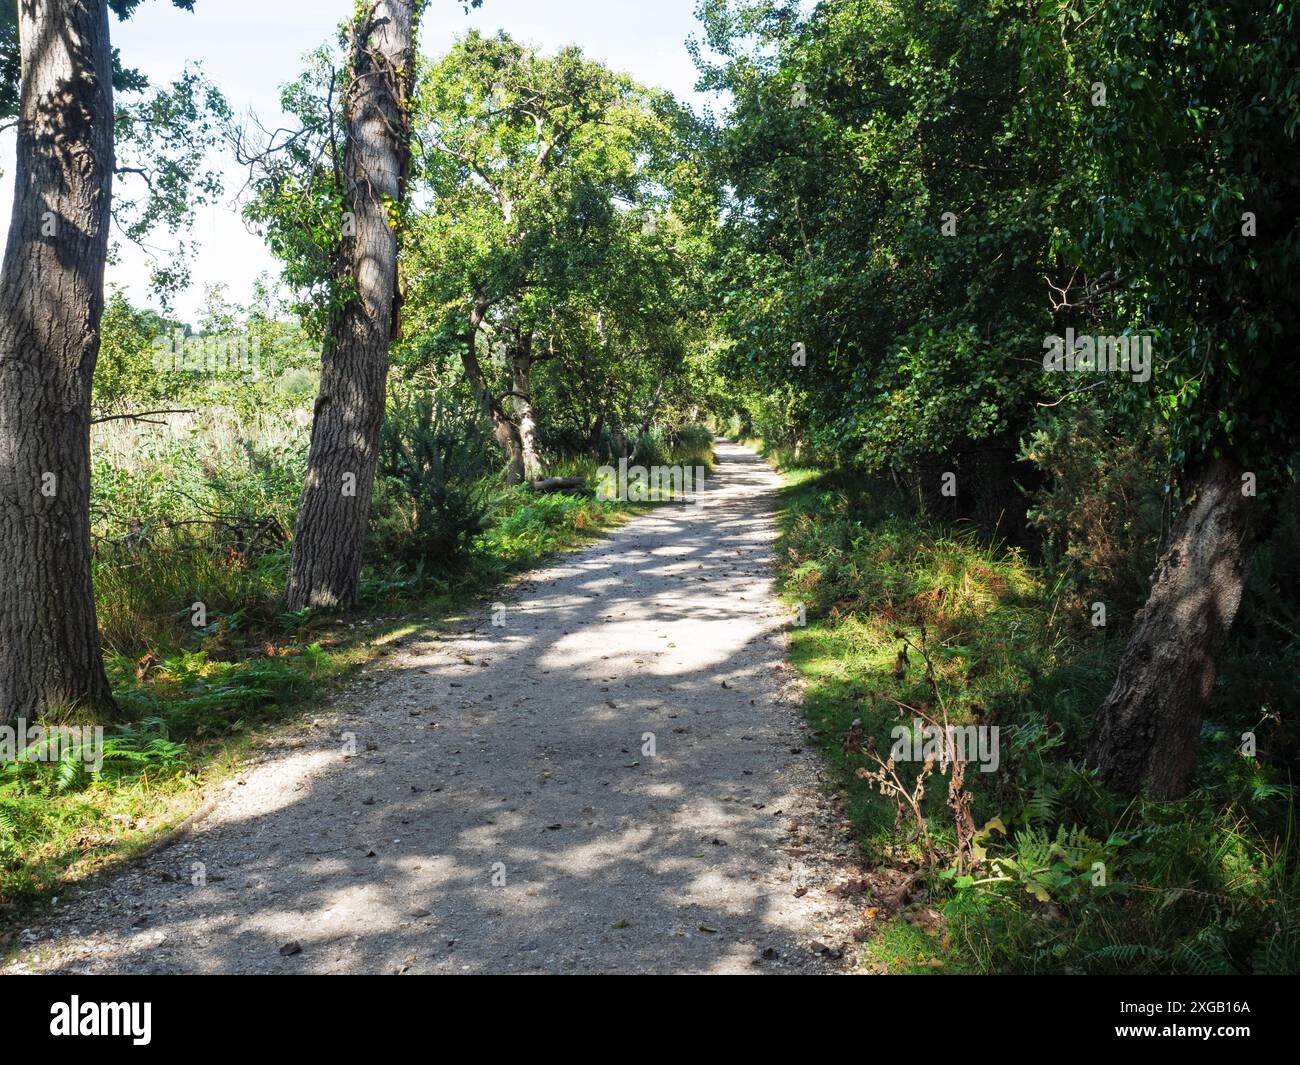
(249, 48)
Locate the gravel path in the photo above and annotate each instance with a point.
(502, 812)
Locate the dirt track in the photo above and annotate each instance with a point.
(499, 814)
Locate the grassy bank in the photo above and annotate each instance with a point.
(908, 617)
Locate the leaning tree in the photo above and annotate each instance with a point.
(330, 531)
(1200, 226)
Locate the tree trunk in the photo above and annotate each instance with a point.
(51, 302)
(522, 369)
(645, 422)
(560, 484)
(1145, 735)
(334, 510)
(506, 432)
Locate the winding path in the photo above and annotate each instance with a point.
(500, 812)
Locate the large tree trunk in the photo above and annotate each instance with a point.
(51, 301)
(505, 430)
(333, 514)
(1145, 735)
(521, 362)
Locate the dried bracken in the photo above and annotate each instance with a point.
(909, 798)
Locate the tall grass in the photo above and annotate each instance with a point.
(195, 510)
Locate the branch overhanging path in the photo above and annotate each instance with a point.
(515, 752)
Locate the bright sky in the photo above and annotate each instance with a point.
(251, 47)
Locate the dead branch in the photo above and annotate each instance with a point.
(142, 416)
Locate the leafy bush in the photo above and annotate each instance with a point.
(691, 445)
(435, 473)
(191, 696)
(652, 448)
(528, 526)
(1100, 514)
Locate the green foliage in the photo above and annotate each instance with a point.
(125, 371)
(432, 497)
(162, 139)
(857, 124)
(124, 78)
(527, 527)
(192, 696)
(691, 445)
(1203, 107)
(148, 362)
(855, 128)
(562, 214)
(1103, 511)
(299, 198)
(1071, 879)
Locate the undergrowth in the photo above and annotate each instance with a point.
(1063, 876)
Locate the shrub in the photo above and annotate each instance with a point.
(435, 471)
(1101, 512)
(691, 445)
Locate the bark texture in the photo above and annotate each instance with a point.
(521, 364)
(51, 302)
(505, 430)
(333, 513)
(1145, 735)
